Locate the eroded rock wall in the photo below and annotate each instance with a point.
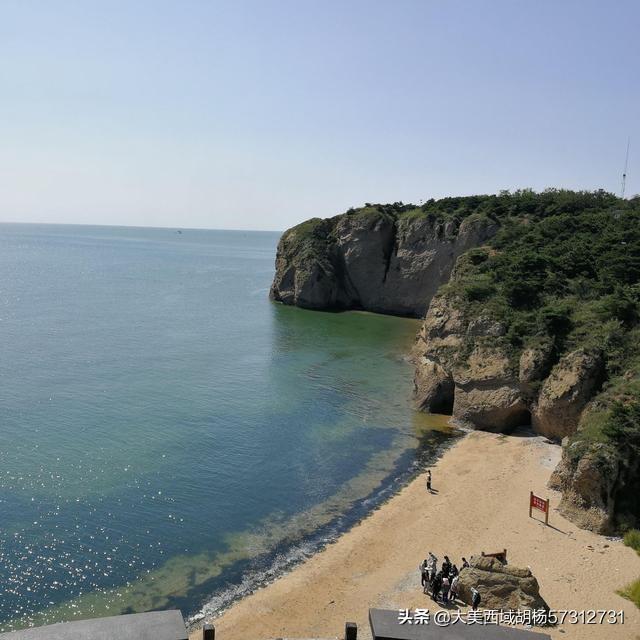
(588, 482)
(465, 363)
(372, 261)
(565, 393)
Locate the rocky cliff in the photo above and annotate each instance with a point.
(462, 369)
(466, 366)
(384, 260)
(531, 303)
(599, 474)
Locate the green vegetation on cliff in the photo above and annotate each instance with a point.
(563, 270)
(562, 274)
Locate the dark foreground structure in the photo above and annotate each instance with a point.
(169, 625)
(156, 625)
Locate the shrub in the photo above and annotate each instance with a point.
(632, 539)
(632, 592)
(478, 290)
(555, 321)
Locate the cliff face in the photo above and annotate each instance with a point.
(588, 482)
(564, 394)
(372, 260)
(458, 371)
(464, 366)
(600, 476)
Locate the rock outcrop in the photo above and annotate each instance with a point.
(565, 393)
(459, 366)
(600, 477)
(463, 365)
(486, 394)
(372, 260)
(588, 482)
(534, 364)
(501, 587)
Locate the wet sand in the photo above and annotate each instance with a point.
(481, 504)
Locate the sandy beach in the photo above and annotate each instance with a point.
(481, 504)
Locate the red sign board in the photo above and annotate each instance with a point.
(536, 502)
(539, 503)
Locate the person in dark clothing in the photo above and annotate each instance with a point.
(453, 572)
(475, 598)
(436, 585)
(465, 564)
(429, 480)
(446, 566)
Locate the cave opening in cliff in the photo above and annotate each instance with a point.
(444, 406)
(443, 402)
(524, 418)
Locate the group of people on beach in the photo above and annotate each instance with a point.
(443, 583)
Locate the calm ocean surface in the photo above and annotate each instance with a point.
(169, 437)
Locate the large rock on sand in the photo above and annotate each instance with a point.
(502, 587)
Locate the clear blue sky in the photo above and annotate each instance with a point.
(257, 115)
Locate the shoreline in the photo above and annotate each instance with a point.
(280, 562)
(374, 564)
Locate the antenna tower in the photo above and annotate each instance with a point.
(626, 166)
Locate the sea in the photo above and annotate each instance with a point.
(171, 438)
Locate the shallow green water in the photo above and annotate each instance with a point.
(169, 437)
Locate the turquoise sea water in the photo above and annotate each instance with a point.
(169, 437)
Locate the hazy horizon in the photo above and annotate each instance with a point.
(135, 226)
(258, 115)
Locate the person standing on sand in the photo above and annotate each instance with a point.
(445, 589)
(429, 480)
(446, 566)
(453, 589)
(432, 566)
(436, 585)
(465, 564)
(424, 575)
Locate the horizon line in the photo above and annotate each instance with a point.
(136, 226)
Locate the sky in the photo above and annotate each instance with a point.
(260, 114)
